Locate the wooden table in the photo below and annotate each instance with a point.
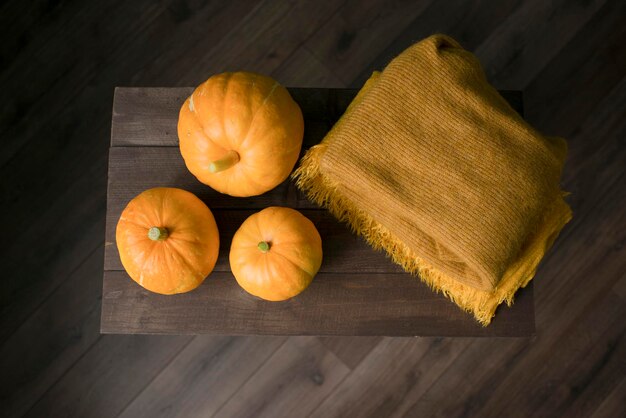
(358, 291)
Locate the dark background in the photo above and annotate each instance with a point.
(60, 62)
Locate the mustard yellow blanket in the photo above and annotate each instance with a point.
(432, 165)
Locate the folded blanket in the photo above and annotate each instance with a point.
(432, 165)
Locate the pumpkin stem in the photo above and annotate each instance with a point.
(157, 233)
(230, 159)
(264, 246)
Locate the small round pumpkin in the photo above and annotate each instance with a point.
(240, 133)
(168, 240)
(276, 253)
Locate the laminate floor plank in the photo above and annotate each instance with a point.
(557, 380)
(527, 40)
(265, 39)
(60, 62)
(388, 374)
(613, 405)
(205, 375)
(578, 78)
(108, 376)
(351, 350)
(468, 22)
(357, 31)
(50, 341)
(72, 52)
(292, 382)
(67, 192)
(303, 69)
(34, 266)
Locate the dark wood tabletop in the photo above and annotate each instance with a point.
(358, 291)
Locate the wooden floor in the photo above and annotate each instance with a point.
(60, 61)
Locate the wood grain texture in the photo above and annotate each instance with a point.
(60, 63)
(470, 24)
(65, 337)
(334, 304)
(397, 366)
(148, 116)
(351, 350)
(297, 377)
(357, 292)
(359, 30)
(519, 62)
(613, 405)
(103, 393)
(56, 126)
(343, 251)
(201, 378)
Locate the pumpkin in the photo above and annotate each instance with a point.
(276, 253)
(168, 240)
(240, 133)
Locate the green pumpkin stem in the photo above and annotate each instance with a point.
(227, 161)
(157, 233)
(264, 246)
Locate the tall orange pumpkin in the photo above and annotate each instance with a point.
(240, 133)
(167, 240)
(276, 253)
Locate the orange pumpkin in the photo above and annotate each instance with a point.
(240, 133)
(276, 253)
(167, 240)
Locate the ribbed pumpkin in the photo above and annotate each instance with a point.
(168, 240)
(276, 253)
(240, 133)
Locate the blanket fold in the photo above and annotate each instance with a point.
(432, 165)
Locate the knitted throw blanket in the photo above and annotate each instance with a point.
(432, 165)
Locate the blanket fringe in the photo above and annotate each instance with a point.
(480, 303)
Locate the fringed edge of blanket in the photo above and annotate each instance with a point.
(480, 303)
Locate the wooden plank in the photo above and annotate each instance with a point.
(296, 378)
(579, 78)
(108, 376)
(149, 116)
(343, 251)
(554, 382)
(351, 350)
(359, 30)
(78, 209)
(303, 69)
(187, 33)
(469, 22)
(204, 376)
(135, 169)
(396, 368)
(613, 405)
(66, 324)
(141, 113)
(492, 363)
(483, 363)
(261, 42)
(334, 304)
(592, 378)
(53, 94)
(514, 64)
